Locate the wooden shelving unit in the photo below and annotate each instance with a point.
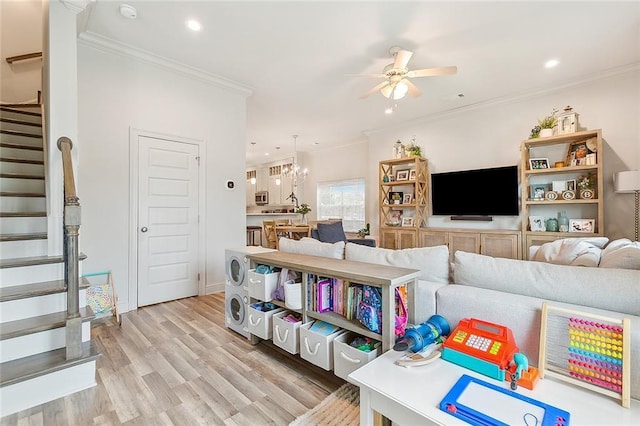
(556, 149)
(396, 236)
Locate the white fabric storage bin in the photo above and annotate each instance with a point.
(347, 359)
(286, 334)
(259, 322)
(317, 348)
(293, 295)
(261, 286)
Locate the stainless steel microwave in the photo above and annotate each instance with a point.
(262, 198)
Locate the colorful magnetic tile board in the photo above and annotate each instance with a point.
(481, 403)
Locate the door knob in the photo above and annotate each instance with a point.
(144, 229)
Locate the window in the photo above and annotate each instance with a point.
(342, 199)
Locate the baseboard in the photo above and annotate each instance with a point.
(214, 288)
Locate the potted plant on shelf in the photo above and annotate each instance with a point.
(413, 150)
(547, 124)
(303, 209)
(364, 231)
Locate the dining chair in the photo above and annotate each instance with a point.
(269, 227)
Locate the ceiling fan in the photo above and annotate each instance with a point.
(397, 84)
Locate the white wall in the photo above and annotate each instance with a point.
(345, 162)
(118, 92)
(491, 136)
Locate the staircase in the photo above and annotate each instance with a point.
(46, 350)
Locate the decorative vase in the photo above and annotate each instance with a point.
(563, 222)
(398, 149)
(304, 219)
(552, 224)
(545, 133)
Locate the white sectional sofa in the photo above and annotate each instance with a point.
(505, 291)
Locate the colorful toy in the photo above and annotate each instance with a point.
(420, 336)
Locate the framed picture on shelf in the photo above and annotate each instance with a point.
(577, 154)
(582, 225)
(402, 175)
(406, 198)
(412, 174)
(407, 221)
(536, 224)
(395, 197)
(537, 191)
(395, 218)
(571, 185)
(538, 163)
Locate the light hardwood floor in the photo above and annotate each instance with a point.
(177, 363)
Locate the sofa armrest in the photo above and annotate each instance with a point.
(422, 303)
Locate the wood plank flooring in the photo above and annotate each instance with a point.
(176, 363)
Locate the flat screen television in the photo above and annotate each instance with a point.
(479, 192)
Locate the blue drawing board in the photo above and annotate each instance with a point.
(480, 403)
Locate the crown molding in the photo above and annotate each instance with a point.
(76, 6)
(108, 45)
(590, 78)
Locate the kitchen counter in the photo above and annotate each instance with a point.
(255, 219)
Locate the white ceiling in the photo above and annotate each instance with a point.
(295, 56)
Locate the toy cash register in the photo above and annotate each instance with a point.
(488, 349)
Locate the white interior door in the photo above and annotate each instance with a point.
(167, 220)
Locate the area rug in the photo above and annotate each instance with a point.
(341, 408)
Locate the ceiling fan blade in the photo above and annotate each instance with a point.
(374, 89)
(413, 89)
(428, 72)
(402, 58)
(366, 75)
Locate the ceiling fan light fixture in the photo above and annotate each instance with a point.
(400, 90)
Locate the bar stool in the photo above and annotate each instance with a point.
(251, 236)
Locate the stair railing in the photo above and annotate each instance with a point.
(70, 252)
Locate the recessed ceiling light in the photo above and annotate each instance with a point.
(194, 25)
(551, 63)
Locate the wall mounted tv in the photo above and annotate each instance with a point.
(476, 194)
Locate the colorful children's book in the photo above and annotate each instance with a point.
(324, 296)
(323, 328)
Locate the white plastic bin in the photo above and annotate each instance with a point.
(347, 359)
(261, 286)
(293, 295)
(286, 334)
(260, 322)
(317, 348)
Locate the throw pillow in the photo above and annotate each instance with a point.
(312, 247)
(433, 262)
(331, 232)
(622, 253)
(569, 251)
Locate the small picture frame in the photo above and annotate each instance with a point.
(571, 185)
(406, 198)
(395, 217)
(538, 163)
(536, 224)
(402, 175)
(395, 197)
(537, 191)
(407, 221)
(582, 225)
(412, 174)
(577, 154)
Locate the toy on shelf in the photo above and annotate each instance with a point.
(489, 349)
(423, 341)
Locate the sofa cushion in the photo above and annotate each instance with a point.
(433, 262)
(571, 251)
(616, 290)
(331, 232)
(312, 247)
(622, 253)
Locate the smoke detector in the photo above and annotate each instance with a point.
(128, 11)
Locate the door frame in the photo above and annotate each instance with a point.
(134, 134)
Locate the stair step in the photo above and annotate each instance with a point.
(23, 327)
(35, 260)
(14, 112)
(22, 134)
(20, 160)
(29, 186)
(21, 168)
(21, 248)
(23, 237)
(23, 204)
(19, 122)
(23, 194)
(24, 291)
(14, 145)
(20, 176)
(23, 214)
(17, 371)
